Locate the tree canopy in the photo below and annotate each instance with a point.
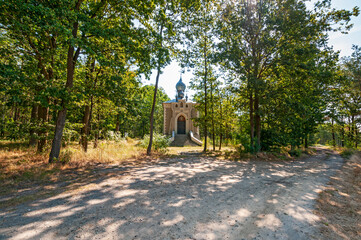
(264, 74)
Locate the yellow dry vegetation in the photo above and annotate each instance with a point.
(18, 163)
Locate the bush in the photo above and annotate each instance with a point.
(347, 153)
(65, 156)
(113, 136)
(160, 142)
(295, 152)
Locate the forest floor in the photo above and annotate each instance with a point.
(189, 196)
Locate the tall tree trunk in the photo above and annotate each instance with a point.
(306, 141)
(257, 122)
(212, 109)
(353, 128)
(117, 126)
(221, 127)
(220, 141)
(43, 113)
(149, 149)
(251, 119)
(85, 129)
(88, 108)
(343, 136)
(356, 136)
(70, 68)
(333, 134)
(33, 120)
(205, 94)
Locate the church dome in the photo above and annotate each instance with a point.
(180, 86)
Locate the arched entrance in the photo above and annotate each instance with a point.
(181, 125)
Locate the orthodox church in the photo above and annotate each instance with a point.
(178, 118)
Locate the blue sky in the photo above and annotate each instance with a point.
(340, 42)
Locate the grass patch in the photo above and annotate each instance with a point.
(347, 153)
(19, 163)
(339, 205)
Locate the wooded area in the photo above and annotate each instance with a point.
(264, 75)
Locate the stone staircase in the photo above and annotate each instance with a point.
(181, 140)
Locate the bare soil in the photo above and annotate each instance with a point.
(192, 197)
(339, 204)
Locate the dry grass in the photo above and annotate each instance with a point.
(339, 205)
(26, 175)
(19, 163)
(106, 152)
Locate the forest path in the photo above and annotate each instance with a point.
(194, 197)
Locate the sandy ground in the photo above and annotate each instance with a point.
(184, 198)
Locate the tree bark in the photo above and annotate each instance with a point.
(117, 126)
(212, 109)
(221, 127)
(43, 113)
(149, 149)
(356, 136)
(60, 122)
(85, 129)
(333, 134)
(257, 122)
(343, 136)
(33, 120)
(205, 95)
(220, 141)
(251, 119)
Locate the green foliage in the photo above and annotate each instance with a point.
(160, 142)
(263, 73)
(348, 152)
(295, 152)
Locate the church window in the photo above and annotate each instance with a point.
(186, 105)
(176, 105)
(181, 105)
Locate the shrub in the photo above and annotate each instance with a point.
(295, 152)
(347, 153)
(160, 142)
(113, 136)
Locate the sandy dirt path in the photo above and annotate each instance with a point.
(184, 198)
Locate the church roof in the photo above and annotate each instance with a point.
(180, 86)
(174, 100)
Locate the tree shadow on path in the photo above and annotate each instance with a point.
(190, 198)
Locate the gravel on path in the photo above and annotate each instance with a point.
(195, 197)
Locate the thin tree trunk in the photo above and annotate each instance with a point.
(333, 134)
(88, 108)
(257, 122)
(85, 129)
(251, 119)
(43, 113)
(343, 136)
(356, 136)
(353, 128)
(149, 149)
(117, 126)
(306, 141)
(205, 95)
(212, 108)
(33, 120)
(60, 122)
(221, 127)
(220, 141)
